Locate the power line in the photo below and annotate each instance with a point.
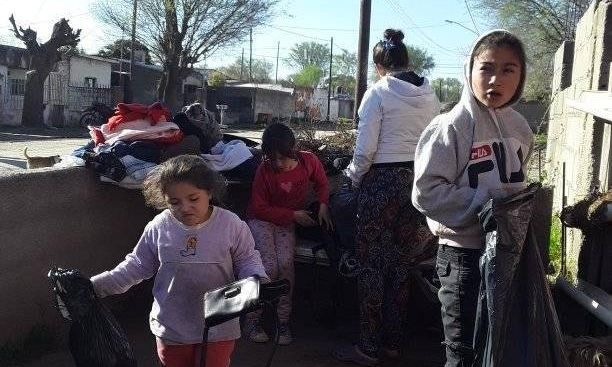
(471, 17)
(354, 29)
(297, 34)
(398, 8)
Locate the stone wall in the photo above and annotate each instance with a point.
(576, 138)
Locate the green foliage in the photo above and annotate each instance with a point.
(122, 48)
(447, 89)
(344, 70)
(217, 79)
(539, 141)
(542, 25)
(261, 70)
(554, 245)
(309, 76)
(306, 54)
(420, 61)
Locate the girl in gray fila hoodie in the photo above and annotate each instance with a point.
(477, 151)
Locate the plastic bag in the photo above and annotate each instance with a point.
(96, 339)
(343, 210)
(516, 323)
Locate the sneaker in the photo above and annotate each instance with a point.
(257, 334)
(352, 354)
(391, 352)
(284, 335)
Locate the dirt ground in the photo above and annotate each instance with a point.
(316, 325)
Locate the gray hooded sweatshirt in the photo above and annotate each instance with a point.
(464, 158)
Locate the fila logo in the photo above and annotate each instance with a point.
(488, 165)
(480, 152)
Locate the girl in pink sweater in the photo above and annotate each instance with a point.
(278, 198)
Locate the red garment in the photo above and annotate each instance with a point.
(218, 354)
(136, 111)
(276, 195)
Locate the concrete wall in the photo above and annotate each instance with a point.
(83, 67)
(277, 104)
(575, 137)
(65, 218)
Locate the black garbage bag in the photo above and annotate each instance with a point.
(516, 323)
(343, 211)
(96, 339)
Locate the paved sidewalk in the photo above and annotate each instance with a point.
(48, 142)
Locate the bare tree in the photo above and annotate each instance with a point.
(181, 33)
(42, 59)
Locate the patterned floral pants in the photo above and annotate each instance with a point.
(392, 237)
(276, 245)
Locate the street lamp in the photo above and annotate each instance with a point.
(461, 25)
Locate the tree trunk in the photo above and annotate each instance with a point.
(171, 89)
(33, 108)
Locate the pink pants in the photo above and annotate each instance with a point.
(188, 355)
(276, 245)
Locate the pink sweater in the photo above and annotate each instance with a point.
(186, 262)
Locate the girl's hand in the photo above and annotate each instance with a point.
(325, 217)
(302, 217)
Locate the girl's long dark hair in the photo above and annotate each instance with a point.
(184, 168)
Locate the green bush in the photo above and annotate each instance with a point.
(554, 245)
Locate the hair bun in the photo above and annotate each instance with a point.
(393, 35)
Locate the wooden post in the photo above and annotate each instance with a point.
(362, 55)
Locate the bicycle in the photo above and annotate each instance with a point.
(95, 115)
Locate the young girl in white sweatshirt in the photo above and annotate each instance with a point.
(391, 235)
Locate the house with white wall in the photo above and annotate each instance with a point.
(76, 82)
(13, 68)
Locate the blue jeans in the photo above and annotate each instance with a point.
(459, 273)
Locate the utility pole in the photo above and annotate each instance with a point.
(440, 86)
(329, 85)
(130, 90)
(362, 55)
(277, 51)
(241, 63)
(251, 55)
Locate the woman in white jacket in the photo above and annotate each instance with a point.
(391, 234)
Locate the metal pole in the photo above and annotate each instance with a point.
(130, 89)
(563, 239)
(362, 55)
(241, 63)
(329, 86)
(461, 25)
(277, 51)
(251, 55)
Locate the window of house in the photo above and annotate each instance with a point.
(90, 82)
(17, 87)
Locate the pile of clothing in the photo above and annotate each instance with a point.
(138, 137)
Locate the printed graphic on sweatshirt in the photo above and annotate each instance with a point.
(506, 157)
(286, 186)
(191, 242)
